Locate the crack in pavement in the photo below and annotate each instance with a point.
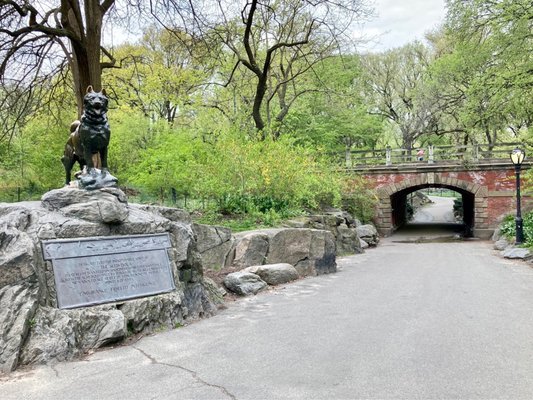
(194, 374)
(53, 367)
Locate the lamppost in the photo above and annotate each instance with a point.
(517, 157)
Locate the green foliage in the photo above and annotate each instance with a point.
(395, 86)
(243, 176)
(487, 72)
(335, 119)
(31, 163)
(359, 200)
(508, 227)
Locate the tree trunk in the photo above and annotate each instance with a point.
(85, 59)
(258, 101)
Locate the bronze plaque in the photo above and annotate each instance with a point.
(90, 271)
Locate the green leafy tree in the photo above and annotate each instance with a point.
(394, 82)
(493, 64)
(336, 117)
(158, 75)
(275, 42)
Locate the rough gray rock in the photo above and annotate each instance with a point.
(14, 216)
(347, 241)
(364, 245)
(214, 245)
(369, 234)
(277, 274)
(16, 256)
(216, 293)
(244, 283)
(516, 253)
(62, 334)
(172, 214)
(16, 247)
(310, 251)
(35, 330)
(340, 223)
(147, 313)
(18, 304)
(197, 302)
(107, 205)
(251, 248)
(501, 244)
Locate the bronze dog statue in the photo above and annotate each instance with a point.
(73, 152)
(88, 142)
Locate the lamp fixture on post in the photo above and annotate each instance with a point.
(517, 157)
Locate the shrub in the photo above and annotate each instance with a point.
(274, 178)
(508, 227)
(359, 200)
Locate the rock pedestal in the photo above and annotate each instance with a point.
(34, 329)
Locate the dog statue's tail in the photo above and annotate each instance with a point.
(74, 125)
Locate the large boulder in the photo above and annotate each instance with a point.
(16, 247)
(251, 248)
(214, 244)
(18, 304)
(147, 313)
(340, 223)
(62, 334)
(369, 234)
(244, 283)
(347, 241)
(197, 301)
(34, 330)
(16, 256)
(107, 205)
(216, 292)
(277, 274)
(310, 251)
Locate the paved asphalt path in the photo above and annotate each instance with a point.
(405, 320)
(439, 210)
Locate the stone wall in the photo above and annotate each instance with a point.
(34, 330)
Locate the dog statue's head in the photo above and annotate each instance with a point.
(95, 103)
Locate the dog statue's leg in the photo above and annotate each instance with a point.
(83, 165)
(96, 160)
(89, 159)
(103, 160)
(68, 163)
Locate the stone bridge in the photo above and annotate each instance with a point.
(487, 187)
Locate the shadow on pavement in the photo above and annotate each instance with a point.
(419, 232)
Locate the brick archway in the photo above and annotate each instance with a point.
(478, 193)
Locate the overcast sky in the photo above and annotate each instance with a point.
(402, 21)
(397, 22)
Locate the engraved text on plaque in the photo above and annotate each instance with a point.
(89, 271)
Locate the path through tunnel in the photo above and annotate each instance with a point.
(405, 203)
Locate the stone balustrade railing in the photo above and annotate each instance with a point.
(429, 154)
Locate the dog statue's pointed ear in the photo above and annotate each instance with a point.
(104, 92)
(89, 89)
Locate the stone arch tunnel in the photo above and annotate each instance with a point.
(488, 193)
(399, 202)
